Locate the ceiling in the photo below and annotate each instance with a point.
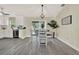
(32, 10)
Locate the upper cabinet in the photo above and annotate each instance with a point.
(3, 20)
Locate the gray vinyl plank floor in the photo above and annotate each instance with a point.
(28, 47)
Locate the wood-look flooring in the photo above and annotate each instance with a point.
(27, 47)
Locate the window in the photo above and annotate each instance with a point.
(12, 21)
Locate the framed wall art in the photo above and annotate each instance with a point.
(67, 20)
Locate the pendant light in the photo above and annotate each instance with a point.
(42, 12)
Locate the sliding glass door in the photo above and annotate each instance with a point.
(37, 25)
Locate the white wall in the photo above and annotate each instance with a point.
(19, 20)
(69, 33)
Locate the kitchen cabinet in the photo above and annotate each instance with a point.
(22, 34)
(8, 33)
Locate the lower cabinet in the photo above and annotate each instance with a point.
(22, 34)
(1, 34)
(7, 33)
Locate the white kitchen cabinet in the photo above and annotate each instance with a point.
(1, 33)
(8, 33)
(22, 34)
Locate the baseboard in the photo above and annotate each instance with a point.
(12, 37)
(67, 44)
(6, 38)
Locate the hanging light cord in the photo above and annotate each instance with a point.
(42, 8)
(42, 14)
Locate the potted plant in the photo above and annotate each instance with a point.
(53, 24)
